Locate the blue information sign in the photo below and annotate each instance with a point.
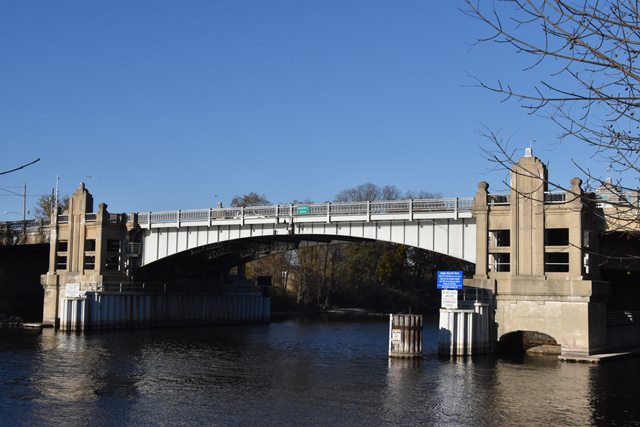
(450, 279)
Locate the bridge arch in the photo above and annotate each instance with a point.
(525, 340)
(445, 226)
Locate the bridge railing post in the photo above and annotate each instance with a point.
(368, 210)
(178, 219)
(328, 212)
(277, 212)
(410, 209)
(455, 208)
(242, 215)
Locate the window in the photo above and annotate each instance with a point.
(61, 262)
(556, 262)
(89, 262)
(556, 237)
(112, 263)
(499, 262)
(63, 246)
(113, 245)
(90, 245)
(500, 238)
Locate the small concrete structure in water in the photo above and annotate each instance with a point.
(465, 331)
(405, 335)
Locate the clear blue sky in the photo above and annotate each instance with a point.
(161, 105)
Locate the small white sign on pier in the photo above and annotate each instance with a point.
(72, 290)
(449, 299)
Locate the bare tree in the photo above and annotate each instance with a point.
(249, 199)
(369, 191)
(366, 191)
(46, 205)
(592, 91)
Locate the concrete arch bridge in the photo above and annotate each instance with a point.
(445, 226)
(542, 256)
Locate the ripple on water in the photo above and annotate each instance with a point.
(294, 373)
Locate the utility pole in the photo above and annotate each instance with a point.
(24, 203)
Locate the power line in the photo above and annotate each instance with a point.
(20, 167)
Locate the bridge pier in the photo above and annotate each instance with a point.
(97, 310)
(88, 285)
(532, 255)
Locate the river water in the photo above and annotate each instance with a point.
(303, 371)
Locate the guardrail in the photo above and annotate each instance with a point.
(30, 225)
(318, 210)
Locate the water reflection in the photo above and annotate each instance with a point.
(296, 372)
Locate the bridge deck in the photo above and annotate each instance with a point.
(393, 210)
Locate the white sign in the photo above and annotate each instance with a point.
(450, 299)
(73, 290)
(396, 335)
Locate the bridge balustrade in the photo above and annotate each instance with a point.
(325, 210)
(31, 225)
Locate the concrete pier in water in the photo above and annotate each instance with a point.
(464, 332)
(405, 335)
(98, 310)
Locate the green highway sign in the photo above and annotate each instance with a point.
(304, 210)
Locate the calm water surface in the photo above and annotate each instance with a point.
(319, 371)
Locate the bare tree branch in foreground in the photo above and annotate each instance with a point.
(591, 90)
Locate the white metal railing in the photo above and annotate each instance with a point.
(326, 211)
(30, 225)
